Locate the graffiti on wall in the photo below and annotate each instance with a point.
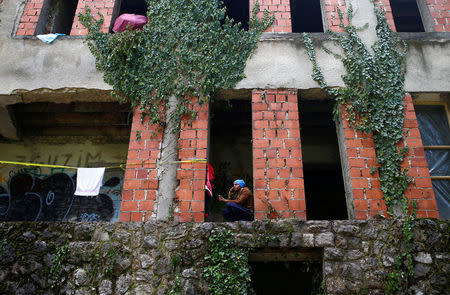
(32, 195)
(78, 159)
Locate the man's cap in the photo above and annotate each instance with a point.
(240, 182)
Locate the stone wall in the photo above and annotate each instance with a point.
(145, 258)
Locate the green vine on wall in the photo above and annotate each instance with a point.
(184, 50)
(227, 270)
(373, 99)
(58, 259)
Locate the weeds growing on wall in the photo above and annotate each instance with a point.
(184, 50)
(227, 270)
(57, 262)
(373, 101)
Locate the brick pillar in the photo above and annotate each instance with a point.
(277, 157)
(365, 187)
(440, 13)
(386, 6)
(281, 9)
(140, 184)
(421, 190)
(30, 17)
(331, 7)
(105, 7)
(193, 144)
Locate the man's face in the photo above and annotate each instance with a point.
(236, 186)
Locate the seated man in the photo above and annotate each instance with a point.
(239, 203)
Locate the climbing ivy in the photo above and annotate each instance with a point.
(187, 49)
(227, 270)
(373, 97)
(57, 262)
(373, 100)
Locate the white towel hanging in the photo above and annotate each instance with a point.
(89, 181)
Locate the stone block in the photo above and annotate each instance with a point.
(324, 239)
(423, 258)
(333, 254)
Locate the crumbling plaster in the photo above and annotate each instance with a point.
(279, 62)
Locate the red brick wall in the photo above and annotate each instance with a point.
(140, 184)
(386, 5)
(30, 16)
(367, 195)
(32, 10)
(281, 9)
(331, 7)
(440, 12)
(105, 7)
(193, 144)
(421, 189)
(277, 156)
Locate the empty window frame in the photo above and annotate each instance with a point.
(132, 6)
(56, 17)
(289, 269)
(239, 11)
(128, 6)
(407, 16)
(324, 185)
(434, 129)
(306, 16)
(230, 149)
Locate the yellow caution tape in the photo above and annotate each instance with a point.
(122, 166)
(204, 161)
(50, 166)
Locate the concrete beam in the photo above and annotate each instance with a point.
(7, 128)
(10, 99)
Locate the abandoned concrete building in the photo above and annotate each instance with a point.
(56, 110)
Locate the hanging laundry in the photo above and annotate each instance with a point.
(209, 179)
(89, 181)
(49, 38)
(208, 189)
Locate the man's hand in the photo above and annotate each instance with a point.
(222, 199)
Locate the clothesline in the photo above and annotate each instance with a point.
(122, 166)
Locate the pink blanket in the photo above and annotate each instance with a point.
(135, 21)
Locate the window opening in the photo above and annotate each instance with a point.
(133, 6)
(306, 16)
(406, 16)
(239, 11)
(56, 17)
(128, 6)
(230, 150)
(435, 132)
(77, 134)
(109, 120)
(288, 269)
(324, 186)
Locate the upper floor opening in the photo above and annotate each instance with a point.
(56, 17)
(407, 16)
(239, 11)
(306, 16)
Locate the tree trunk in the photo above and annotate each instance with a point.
(167, 166)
